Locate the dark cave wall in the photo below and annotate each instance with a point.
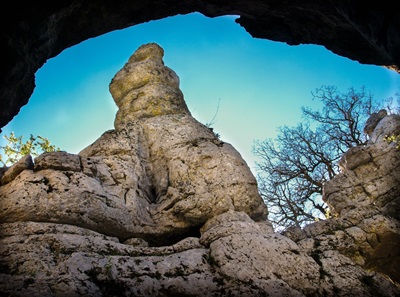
(35, 31)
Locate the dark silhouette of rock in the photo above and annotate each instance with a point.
(36, 31)
(160, 206)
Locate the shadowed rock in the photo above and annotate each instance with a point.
(144, 87)
(367, 32)
(25, 163)
(161, 206)
(160, 173)
(373, 121)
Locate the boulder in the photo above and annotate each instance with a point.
(9, 174)
(160, 206)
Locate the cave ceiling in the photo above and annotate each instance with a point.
(35, 31)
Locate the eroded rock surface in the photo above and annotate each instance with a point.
(160, 206)
(159, 174)
(365, 200)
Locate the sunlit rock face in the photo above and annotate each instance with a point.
(160, 206)
(365, 31)
(365, 201)
(146, 88)
(366, 197)
(160, 174)
(185, 173)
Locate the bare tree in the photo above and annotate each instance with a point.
(294, 167)
(343, 115)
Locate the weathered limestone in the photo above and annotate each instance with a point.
(365, 199)
(159, 174)
(373, 120)
(146, 88)
(160, 206)
(389, 125)
(9, 174)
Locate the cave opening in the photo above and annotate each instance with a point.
(247, 87)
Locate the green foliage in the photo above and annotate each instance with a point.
(16, 148)
(393, 138)
(394, 109)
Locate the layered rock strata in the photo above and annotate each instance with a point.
(160, 206)
(365, 202)
(158, 175)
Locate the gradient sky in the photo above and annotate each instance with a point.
(258, 84)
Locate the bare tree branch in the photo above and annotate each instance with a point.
(293, 168)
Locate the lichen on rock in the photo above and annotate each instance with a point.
(145, 87)
(159, 175)
(160, 206)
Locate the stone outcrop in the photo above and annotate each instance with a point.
(373, 120)
(160, 206)
(11, 173)
(365, 200)
(34, 32)
(366, 197)
(159, 174)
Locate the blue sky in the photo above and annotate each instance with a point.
(258, 84)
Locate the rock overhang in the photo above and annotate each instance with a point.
(160, 205)
(366, 32)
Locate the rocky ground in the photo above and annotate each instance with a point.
(160, 206)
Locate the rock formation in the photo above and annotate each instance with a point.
(160, 206)
(34, 32)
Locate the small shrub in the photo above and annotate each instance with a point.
(393, 138)
(16, 148)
